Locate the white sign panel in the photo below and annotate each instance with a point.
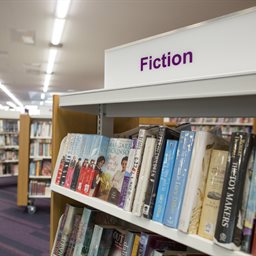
(224, 46)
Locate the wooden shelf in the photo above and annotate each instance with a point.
(10, 147)
(193, 241)
(9, 161)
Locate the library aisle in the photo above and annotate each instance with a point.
(22, 234)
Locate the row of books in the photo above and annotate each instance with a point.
(40, 148)
(39, 188)
(217, 120)
(171, 170)
(9, 155)
(9, 125)
(40, 168)
(8, 169)
(85, 231)
(9, 139)
(226, 130)
(41, 129)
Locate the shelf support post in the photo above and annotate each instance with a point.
(105, 125)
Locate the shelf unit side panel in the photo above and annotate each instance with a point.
(22, 196)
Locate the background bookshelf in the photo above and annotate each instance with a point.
(9, 143)
(151, 101)
(35, 165)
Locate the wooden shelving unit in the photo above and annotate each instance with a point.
(24, 198)
(9, 146)
(150, 98)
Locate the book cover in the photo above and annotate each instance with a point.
(118, 238)
(46, 167)
(128, 243)
(163, 134)
(144, 176)
(101, 241)
(229, 222)
(250, 209)
(72, 238)
(165, 179)
(127, 173)
(179, 179)
(57, 236)
(97, 160)
(68, 157)
(76, 158)
(82, 158)
(195, 187)
(135, 246)
(213, 192)
(113, 172)
(149, 242)
(144, 132)
(61, 159)
(84, 172)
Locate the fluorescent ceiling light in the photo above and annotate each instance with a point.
(62, 8)
(57, 31)
(41, 103)
(51, 60)
(42, 96)
(11, 104)
(46, 82)
(11, 95)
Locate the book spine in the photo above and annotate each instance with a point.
(165, 179)
(95, 242)
(191, 205)
(229, 227)
(128, 244)
(250, 212)
(179, 179)
(135, 170)
(135, 246)
(154, 175)
(213, 193)
(127, 174)
(142, 244)
(144, 176)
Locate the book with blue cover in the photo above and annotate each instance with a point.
(179, 179)
(165, 179)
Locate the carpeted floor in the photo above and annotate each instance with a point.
(22, 234)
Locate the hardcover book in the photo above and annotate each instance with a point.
(144, 176)
(165, 179)
(195, 187)
(179, 179)
(229, 222)
(113, 172)
(164, 133)
(213, 191)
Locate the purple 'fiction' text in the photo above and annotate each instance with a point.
(165, 61)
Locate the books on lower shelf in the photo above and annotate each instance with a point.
(193, 168)
(39, 188)
(84, 231)
(40, 168)
(41, 129)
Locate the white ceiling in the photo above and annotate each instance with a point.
(91, 27)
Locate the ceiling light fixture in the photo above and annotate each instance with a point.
(11, 95)
(57, 31)
(51, 60)
(47, 79)
(11, 104)
(62, 8)
(42, 96)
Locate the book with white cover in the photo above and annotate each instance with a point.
(192, 201)
(144, 176)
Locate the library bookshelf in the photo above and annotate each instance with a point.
(213, 97)
(34, 176)
(9, 143)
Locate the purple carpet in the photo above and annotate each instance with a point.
(22, 234)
